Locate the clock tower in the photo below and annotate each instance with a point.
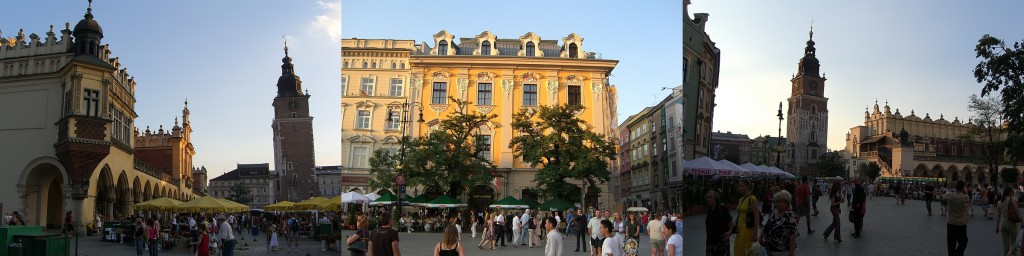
(294, 160)
(807, 118)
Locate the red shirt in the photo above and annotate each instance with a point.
(802, 192)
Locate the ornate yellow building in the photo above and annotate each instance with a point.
(503, 76)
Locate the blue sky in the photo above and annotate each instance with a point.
(644, 38)
(918, 55)
(224, 56)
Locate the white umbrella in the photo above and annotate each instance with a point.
(701, 166)
(372, 196)
(637, 209)
(756, 169)
(726, 165)
(354, 197)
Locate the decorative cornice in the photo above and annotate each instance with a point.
(440, 75)
(575, 79)
(530, 78)
(507, 86)
(438, 109)
(484, 109)
(484, 77)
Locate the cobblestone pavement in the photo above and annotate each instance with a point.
(888, 230)
(92, 246)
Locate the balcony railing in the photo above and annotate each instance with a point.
(869, 154)
(145, 168)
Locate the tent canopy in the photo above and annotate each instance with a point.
(159, 204)
(210, 204)
(509, 202)
(281, 206)
(444, 201)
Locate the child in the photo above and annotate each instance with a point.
(272, 239)
(203, 249)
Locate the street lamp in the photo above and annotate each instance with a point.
(405, 117)
(778, 154)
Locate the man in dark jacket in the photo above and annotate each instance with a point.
(581, 230)
(858, 207)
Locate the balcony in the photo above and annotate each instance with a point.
(151, 171)
(868, 154)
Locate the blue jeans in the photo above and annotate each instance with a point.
(140, 245)
(229, 248)
(153, 247)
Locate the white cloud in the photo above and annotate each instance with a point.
(329, 22)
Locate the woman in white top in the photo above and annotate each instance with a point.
(620, 228)
(611, 247)
(673, 241)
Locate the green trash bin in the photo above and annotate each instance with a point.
(42, 245)
(15, 248)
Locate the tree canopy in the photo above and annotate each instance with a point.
(1001, 71)
(240, 194)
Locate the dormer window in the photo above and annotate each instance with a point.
(485, 48)
(572, 51)
(530, 48)
(442, 48)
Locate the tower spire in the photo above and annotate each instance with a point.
(285, 45)
(812, 30)
(88, 11)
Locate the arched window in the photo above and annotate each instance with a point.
(572, 51)
(814, 109)
(346, 64)
(364, 64)
(442, 48)
(403, 65)
(394, 65)
(373, 65)
(485, 48)
(530, 49)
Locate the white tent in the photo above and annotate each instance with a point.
(701, 166)
(730, 166)
(354, 197)
(781, 172)
(757, 170)
(372, 196)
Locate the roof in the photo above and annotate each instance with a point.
(245, 171)
(872, 139)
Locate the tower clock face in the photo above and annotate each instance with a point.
(292, 104)
(814, 86)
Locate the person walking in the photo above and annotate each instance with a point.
(619, 227)
(956, 226)
(836, 196)
(1008, 219)
(594, 231)
(151, 236)
(610, 246)
(779, 235)
(674, 241)
(499, 226)
(528, 228)
(816, 193)
(803, 207)
(748, 221)
(656, 233)
(140, 237)
(859, 207)
(633, 228)
(929, 194)
(226, 235)
(517, 231)
(384, 239)
(204, 242)
(449, 245)
(361, 235)
(716, 226)
(485, 236)
(580, 227)
(473, 222)
(553, 247)
(458, 224)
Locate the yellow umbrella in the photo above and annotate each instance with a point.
(280, 206)
(310, 204)
(333, 204)
(210, 204)
(159, 204)
(233, 203)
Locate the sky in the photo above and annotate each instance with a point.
(644, 38)
(223, 56)
(917, 55)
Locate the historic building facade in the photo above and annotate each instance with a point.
(733, 147)
(651, 152)
(294, 157)
(912, 146)
(69, 105)
(256, 177)
(807, 114)
(200, 178)
(375, 73)
(700, 80)
(503, 76)
(636, 182)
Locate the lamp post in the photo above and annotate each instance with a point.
(778, 154)
(82, 195)
(404, 110)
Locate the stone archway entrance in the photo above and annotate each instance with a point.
(480, 197)
(106, 194)
(44, 196)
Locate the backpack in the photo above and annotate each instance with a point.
(294, 224)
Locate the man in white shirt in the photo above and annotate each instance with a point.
(594, 231)
(554, 244)
(499, 227)
(527, 232)
(654, 232)
(517, 231)
(226, 235)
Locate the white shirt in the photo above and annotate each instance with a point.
(595, 227)
(558, 220)
(612, 247)
(224, 231)
(525, 219)
(500, 219)
(676, 241)
(554, 244)
(191, 223)
(516, 224)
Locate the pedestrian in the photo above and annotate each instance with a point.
(473, 222)
(859, 207)
(655, 231)
(69, 226)
(529, 227)
(499, 226)
(942, 199)
(803, 205)
(458, 224)
(151, 236)
(717, 224)
(610, 246)
(1008, 219)
(956, 226)
(580, 227)
(226, 236)
(929, 194)
(766, 204)
(594, 231)
(674, 241)
(815, 194)
(140, 237)
(619, 227)
(517, 231)
(748, 221)
(384, 239)
(273, 240)
(449, 245)
(779, 235)
(836, 197)
(362, 236)
(553, 247)
(293, 233)
(486, 228)
(203, 243)
(633, 227)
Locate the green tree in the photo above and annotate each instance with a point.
(988, 131)
(1002, 70)
(873, 171)
(1009, 175)
(564, 146)
(240, 194)
(831, 164)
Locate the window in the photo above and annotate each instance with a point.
(686, 64)
(674, 170)
(530, 48)
(91, 104)
(485, 48)
(403, 65)
(440, 95)
(814, 109)
(392, 151)
(363, 119)
(572, 51)
(364, 64)
(395, 120)
(529, 95)
(374, 65)
(291, 166)
(295, 179)
(485, 140)
(121, 126)
(367, 86)
(67, 103)
(442, 48)
(483, 95)
(396, 87)
(394, 65)
(346, 64)
(359, 157)
(574, 95)
(344, 85)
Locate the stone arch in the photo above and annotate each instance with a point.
(147, 192)
(106, 193)
(951, 173)
(137, 190)
(936, 171)
(921, 170)
(44, 186)
(481, 196)
(123, 201)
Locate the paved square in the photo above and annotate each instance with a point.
(888, 230)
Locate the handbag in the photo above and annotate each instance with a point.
(750, 216)
(361, 244)
(1015, 217)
